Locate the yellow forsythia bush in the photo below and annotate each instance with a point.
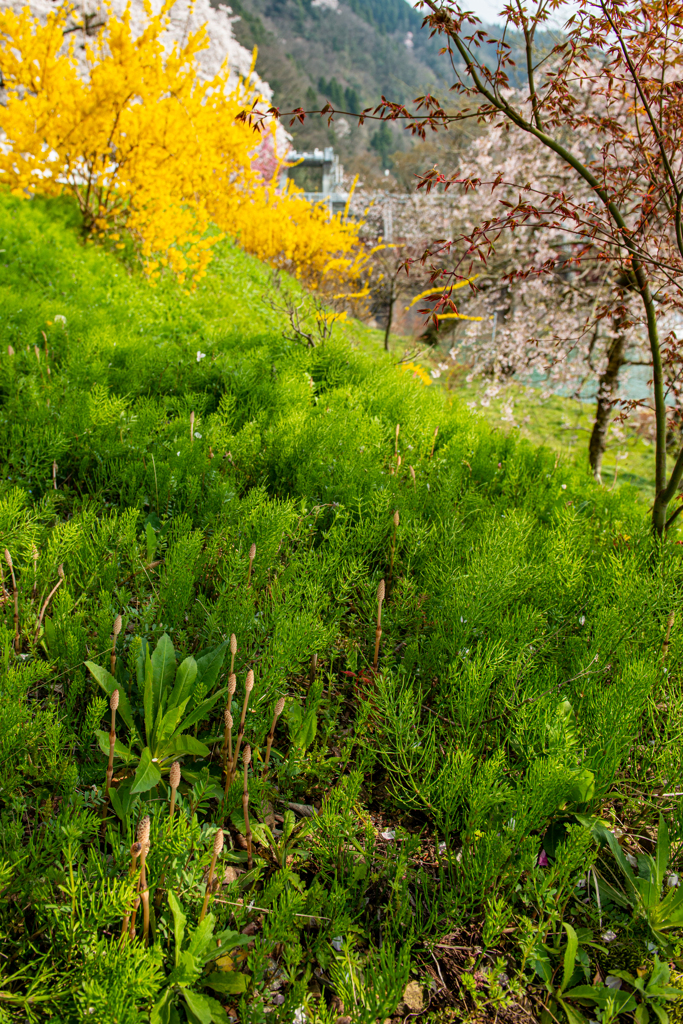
(150, 149)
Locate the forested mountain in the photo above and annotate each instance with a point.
(350, 52)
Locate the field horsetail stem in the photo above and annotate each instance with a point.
(393, 547)
(142, 837)
(174, 782)
(233, 652)
(34, 555)
(279, 708)
(113, 704)
(118, 622)
(134, 854)
(15, 591)
(252, 556)
(671, 618)
(246, 758)
(227, 746)
(232, 686)
(60, 573)
(192, 428)
(381, 590)
(248, 687)
(217, 847)
(436, 431)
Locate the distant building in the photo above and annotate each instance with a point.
(331, 191)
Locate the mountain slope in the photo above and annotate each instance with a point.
(349, 51)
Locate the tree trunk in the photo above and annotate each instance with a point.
(607, 386)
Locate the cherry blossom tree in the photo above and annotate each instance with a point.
(549, 325)
(614, 81)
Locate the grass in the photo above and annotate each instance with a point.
(434, 837)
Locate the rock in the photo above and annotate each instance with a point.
(413, 998)
(303, 810)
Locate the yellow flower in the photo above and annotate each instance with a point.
(417, 371)
(162, 150)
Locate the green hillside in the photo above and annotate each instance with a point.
(352, 54)
(441, 834)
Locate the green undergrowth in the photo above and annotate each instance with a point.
(434, 837)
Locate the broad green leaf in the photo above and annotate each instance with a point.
(288, 825)
(152, 740)
(573, 1015)
(161, 1011)
(569, 955)
(585, 993)
(184, 681)
(208, 667)
(582, 788)
(109, 684)
(140, 663)
(231, 983)
(147, 774)
(198, 1006)
(120, 749)
(169, 723)
(663, 852)
(179, 922)
(622, 862)
(177, 745)
(122, 800)
(669, 912)
(218, 1014)
(148, 697)
(202, 936)
(200, 712)
(641, 1016)
(163, 669)
(188, 971)
(228, 940)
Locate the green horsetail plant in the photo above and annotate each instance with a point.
(60, 573)
(192, 427)
(248, 687)
(246, 759)
(15, 591)
(233, 652)
(118, 622)
(279, 708)
(113, 704)
(252, 556)
(217, 847)
(134, 854)
(381, 590)
(174, 782)
(669, 626)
